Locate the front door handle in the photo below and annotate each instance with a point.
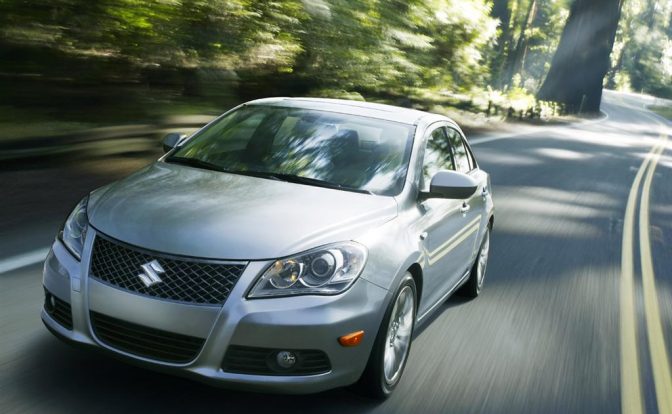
(465, 208)
(485, 192)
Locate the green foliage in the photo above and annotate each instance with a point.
(230, 50)
(527, 41)
(662, 110)
(544, 36)
(642, 58)
(372, 45)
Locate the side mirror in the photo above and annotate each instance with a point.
(171, 140)
(451, 184)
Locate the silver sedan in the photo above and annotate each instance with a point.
(291, 245)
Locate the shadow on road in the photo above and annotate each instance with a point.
(78, 380)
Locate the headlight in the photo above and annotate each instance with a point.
(327, 270)
(74, 230)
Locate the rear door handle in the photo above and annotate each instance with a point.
(465, 208)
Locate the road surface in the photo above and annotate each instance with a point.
(576, 315)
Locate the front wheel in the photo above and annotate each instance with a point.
(473, 287)
(393, 344)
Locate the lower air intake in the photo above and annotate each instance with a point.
(145, 342)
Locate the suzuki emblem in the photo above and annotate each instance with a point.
(150, 273)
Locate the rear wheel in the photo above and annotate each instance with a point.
(473, 287)
(393, 344)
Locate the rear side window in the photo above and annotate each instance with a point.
(460, 153)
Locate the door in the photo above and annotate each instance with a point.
(475, 206)
(448, 225)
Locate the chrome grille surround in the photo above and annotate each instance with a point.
(185, 279)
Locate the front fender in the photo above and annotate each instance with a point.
(393, 249)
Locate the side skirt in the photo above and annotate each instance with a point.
(443, 298)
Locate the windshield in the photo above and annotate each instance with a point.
(311, 147)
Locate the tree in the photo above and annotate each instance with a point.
(542, 42)
(528, 36)
(516, 55)
(501, 11)
(644, 43)
(583, 56)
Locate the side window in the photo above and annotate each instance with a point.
(460, 152)
(437, 157)
(470, 155)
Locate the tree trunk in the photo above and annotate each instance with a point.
(515, 58)
(501, 11)
(583, 56)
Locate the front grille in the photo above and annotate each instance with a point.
(144, 341)
(184, 280)
(262, 361)
(58, 309)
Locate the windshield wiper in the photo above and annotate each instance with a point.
(313, 181)
(194, 162)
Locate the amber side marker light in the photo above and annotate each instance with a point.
(351, 339)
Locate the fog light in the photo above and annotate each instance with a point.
(285, 359)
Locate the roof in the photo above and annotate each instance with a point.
(368, 109)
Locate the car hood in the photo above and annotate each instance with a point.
(187, 211)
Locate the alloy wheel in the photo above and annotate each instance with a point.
(398, 338)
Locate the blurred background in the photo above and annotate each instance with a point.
(81, 79)
(71, 67)
(89, 88)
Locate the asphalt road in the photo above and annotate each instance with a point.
(562, 325)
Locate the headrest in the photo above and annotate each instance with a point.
(347, 138)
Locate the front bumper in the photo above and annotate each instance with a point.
(294, 323)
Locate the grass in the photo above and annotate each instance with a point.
(33, 122)
(662, 110)
(18, 123)
(38, 110)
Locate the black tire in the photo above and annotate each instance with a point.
(372, 383)
(472, 288)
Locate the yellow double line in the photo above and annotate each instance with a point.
(631, 391)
